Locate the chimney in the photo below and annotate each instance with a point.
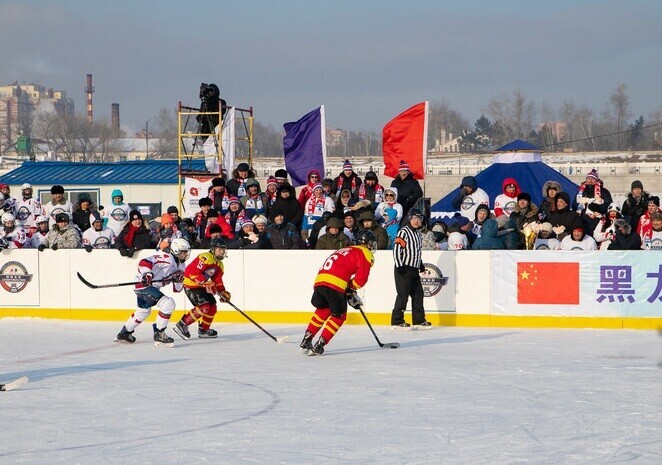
(115, 117)
(89, 90)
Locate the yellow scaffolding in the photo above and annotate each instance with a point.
(187, 152)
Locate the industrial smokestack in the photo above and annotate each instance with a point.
(115, 117)
(89, 90)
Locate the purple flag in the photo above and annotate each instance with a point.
(304, 146)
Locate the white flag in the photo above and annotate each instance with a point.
(227, 144)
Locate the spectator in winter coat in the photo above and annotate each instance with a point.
(98, 236)
(271, 193)
(548, 204)
(545, 239)
(134, 236)
(563, 219)
(327, 187)
(488, 239)
(81, 216)
(220, 198)
(58, 204)
(7, 202)
(351, 226)
(636, 204)
(317, 204)
(654, 240)
(625, 238)
(592, 191)
(645, 222)
(236, 186)
(482, 215)
(62, 236)
(371, 190)
(391, 224)
(235, 215)
(314, 178)
(343, 204)
(202, 217)
(605, 231)
(334, 238)
(390, 201)
(347, 179)
(281, 234)
(289, 205)
(367, 221)
(281, 176)
(117, 214)
(167, 232)
(578, 239)
(408, 188)
(469, 197)
(254, 202)
(247, 237)
(504, 203)
(315, 230)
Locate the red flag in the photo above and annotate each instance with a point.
(548, 283)
(404, 138)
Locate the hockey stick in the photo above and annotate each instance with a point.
(17, 383)
(132, 283)
(277, 339)
(388, 345)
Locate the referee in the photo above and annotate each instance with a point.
(408, 264)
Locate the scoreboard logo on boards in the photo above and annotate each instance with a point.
(14, 277)
(432, 280)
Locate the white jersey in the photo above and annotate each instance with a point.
(505, 203)
(588, 243)
(161, 265)
(26, 212)
(654, 243)
(470, 203)
(118, 217)
(51, 210)
(103, 239)
(15, 238)
(35, 240)
(546, 244)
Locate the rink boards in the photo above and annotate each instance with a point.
(466, 288)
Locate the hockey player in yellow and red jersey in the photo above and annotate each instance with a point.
(342, 273)
(203, 278)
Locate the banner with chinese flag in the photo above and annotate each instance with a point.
(548, 283)
(404, 138)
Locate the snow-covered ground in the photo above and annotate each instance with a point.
(448, 395)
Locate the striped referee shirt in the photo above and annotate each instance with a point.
(407, 247)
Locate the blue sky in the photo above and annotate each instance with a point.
(365, 60)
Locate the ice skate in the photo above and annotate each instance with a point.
(404, 326)
(307, 343)
(318, 348)
(181, 330)
(422, 326)
(207, 333)
(125, 336)
(161, 339)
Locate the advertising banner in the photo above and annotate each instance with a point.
(19, 279)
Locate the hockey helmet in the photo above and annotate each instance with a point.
(367, 238)
(180, 248)
(8, 218)
(218, 243)
(41, 219)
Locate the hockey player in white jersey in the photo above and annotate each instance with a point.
(7, 202)
(57, 205)
(27, 209)
(96, 236)
(39, 235)
(12, 236)
(170, 265)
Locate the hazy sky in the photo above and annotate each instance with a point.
(366, 60)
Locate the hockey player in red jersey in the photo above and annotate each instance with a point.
(203, 278)
(152, 271)
(342, 273)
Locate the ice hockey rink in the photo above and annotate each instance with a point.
(447, 395)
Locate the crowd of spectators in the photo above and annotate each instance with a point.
(330, 213)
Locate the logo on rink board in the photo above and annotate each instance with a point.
(432, 280)
(14, 277)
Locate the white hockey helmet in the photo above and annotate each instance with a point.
(41, 219)
(8, 218)
(26, 186)
(180, 248)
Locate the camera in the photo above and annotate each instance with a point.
(209, 93)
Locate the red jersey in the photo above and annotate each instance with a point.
(346, 268)
(204, 269)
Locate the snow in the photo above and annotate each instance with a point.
(447, 395)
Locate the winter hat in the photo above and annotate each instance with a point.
(276, 211)
(272, 180)
(233, 200)
(614, 208)
(316, 186)
(334, 222)
(247, 222)
(469, 181)
(562, 195)
(166, 218)
(524, 196)
(94, 217)
(593, 175)
(62, 218)
(404, 166)
(212, 213)
(84, 197)
(259, 219)
(135, 215)
(4, 186)
(243, 167)
(654, 199)
(215, 228)
(347, 165)
(172, 209)
(371, 175)
(116, 193)
(348, 213)
(480, 207)
(367, 216)
(57, 189)
(327, 182)
(546, 226)
(205, 201)
(637, 184)
(218, 182)
(281, 175)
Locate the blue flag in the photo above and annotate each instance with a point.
(304, 146)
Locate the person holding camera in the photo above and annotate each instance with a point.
(408, 260)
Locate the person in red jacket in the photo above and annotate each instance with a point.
(342, 273)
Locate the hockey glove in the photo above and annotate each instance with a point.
(400, 270)
(210, 286)
(421, 268)
(41, 248)
(55, 247)
(177, 277)
(353, 300)
(129, 253)
(146, 279)
(224, 296)
(89, 248)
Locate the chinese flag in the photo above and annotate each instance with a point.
(548, 283)
(405, 138)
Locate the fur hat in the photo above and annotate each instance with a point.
(259, 219)
(215, 228)
(205, 201)
(281, 175)
(213, 214)
(546, 226)
(524, 196)
(243, 167)
(218, 182)
(62, 218)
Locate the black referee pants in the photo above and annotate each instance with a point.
(408, 284)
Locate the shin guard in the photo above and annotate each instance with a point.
(317, 320)
(332, 326)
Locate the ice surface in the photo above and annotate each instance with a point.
(448, 395)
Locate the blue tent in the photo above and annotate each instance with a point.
(517, 159)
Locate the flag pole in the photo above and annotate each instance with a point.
(425, 145)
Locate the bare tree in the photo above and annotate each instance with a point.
(165, 145)
(445, 122)
(513, 115)
(618, 114)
